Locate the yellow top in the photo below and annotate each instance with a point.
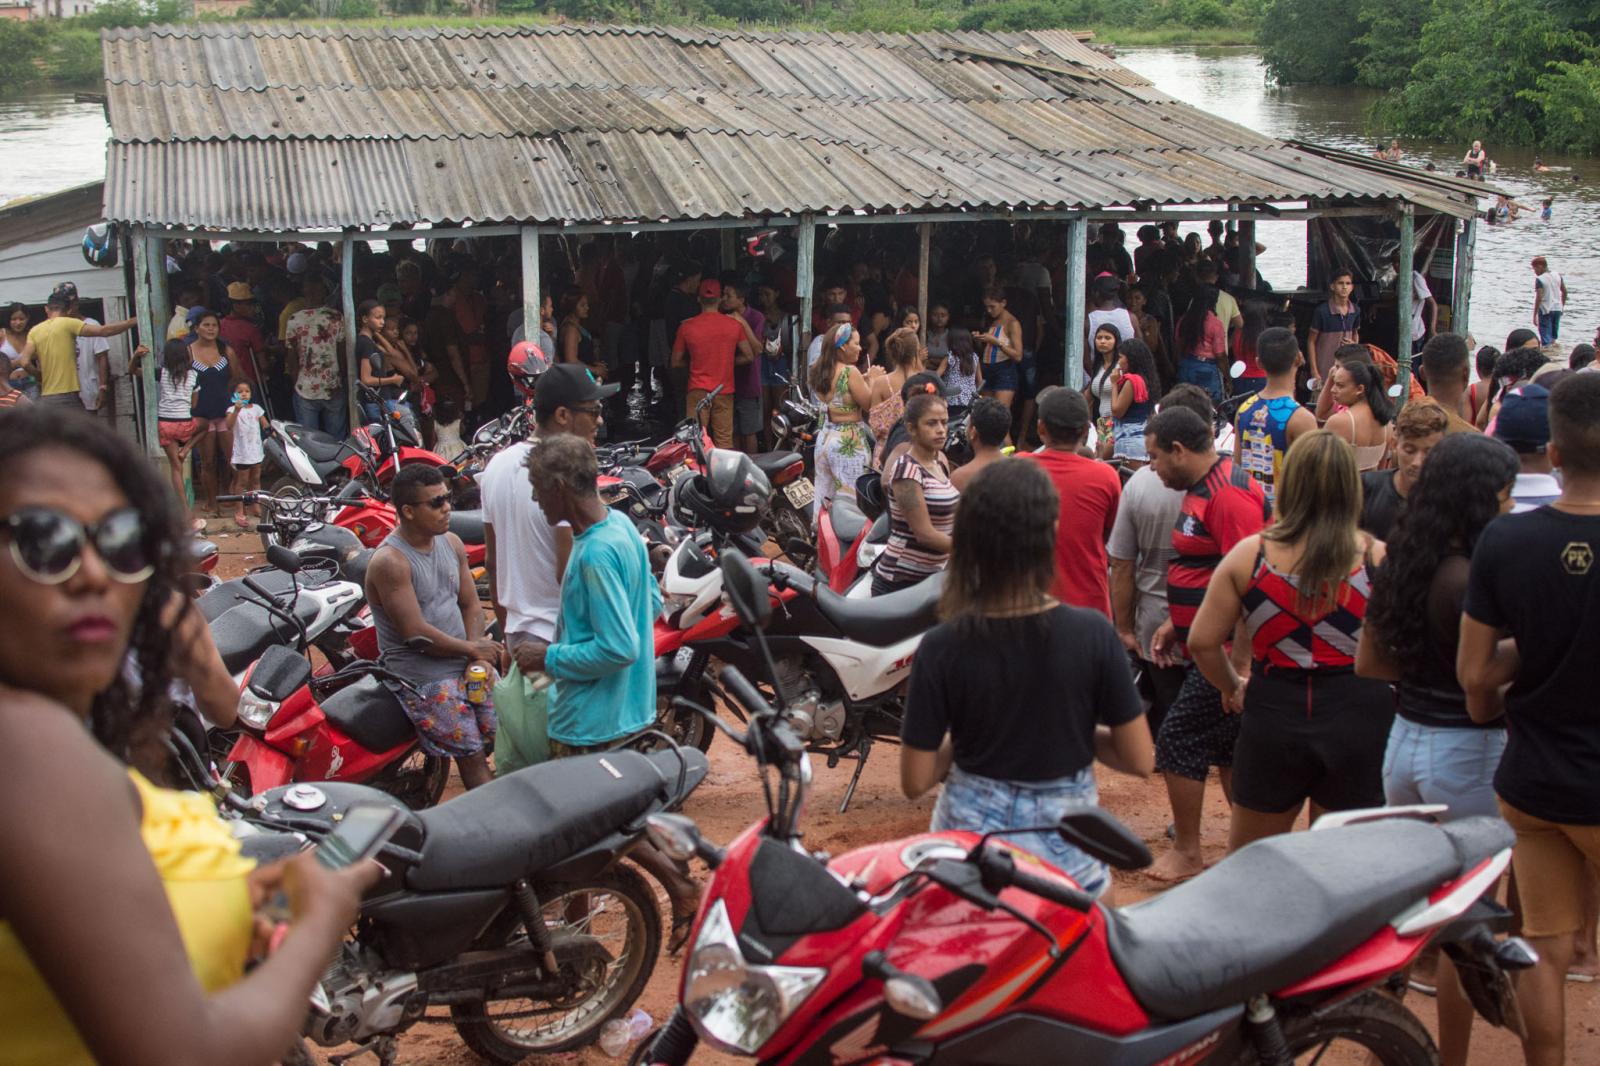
(55, 348)
(204, 875)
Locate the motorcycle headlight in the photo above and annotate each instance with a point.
(255, 711)
(673, 604)
(735, 1005)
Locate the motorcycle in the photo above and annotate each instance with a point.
(508, 906)
(846, 659)
(341, 725)
(952, 947)
(851, 534)
(371, 454)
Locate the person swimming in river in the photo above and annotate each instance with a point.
(1546, 208)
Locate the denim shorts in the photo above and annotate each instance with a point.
(1000, 376)
(1201, 372)
(982, 804)
(1436, 764)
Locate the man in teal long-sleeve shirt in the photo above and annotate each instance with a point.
(603, 657)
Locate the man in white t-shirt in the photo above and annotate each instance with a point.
(525, 555)
(1549, 300)
(1424, 309)
(94, 360)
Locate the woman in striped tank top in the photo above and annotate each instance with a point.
(922, 502)
(1311, 729)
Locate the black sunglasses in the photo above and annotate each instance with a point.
(438, 503)
(47, 545)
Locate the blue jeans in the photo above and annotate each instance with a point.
(1435, 764)
(326, 416)
(1204, 373)
(1248, 386)
(371, 412)
(1549, 326)
(981, 804)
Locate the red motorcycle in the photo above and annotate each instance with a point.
(339, 725)
(371, 454)
(957, 948)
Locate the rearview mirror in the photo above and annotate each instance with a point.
(284, 559)
(1237, 370)
(1095, 832)
(1394, 391)
(746, 589)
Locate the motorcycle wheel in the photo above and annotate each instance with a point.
(1372, 1023)
(688, 729)
(417, 780)
(792, 532)
(287, 485)
(621, 921)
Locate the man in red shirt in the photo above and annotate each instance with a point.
(242, 334)
(1222, 505)
(1089, 491)
(714, 343)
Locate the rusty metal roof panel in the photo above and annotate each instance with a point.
(313, 127)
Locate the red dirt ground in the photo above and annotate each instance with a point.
(730, 799)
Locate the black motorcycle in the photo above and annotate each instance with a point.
(507, 911)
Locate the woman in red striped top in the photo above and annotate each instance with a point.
(1311, 729)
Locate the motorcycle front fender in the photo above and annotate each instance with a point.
(279, 448)
(268, 767)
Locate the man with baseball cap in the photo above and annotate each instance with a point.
(524, 554)
(713, 343)
(54, 344)
(1090, 492)
(1524, 423)
(239, 329)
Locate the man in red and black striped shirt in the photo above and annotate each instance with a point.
(1223, 505)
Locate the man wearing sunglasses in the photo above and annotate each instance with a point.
(419, 586)
(526, 555)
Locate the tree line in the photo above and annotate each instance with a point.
(1512, 71)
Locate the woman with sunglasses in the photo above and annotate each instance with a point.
(843, 446)
(126, 940)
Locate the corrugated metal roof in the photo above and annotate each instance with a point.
(279, 126)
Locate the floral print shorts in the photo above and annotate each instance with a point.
(447, 725)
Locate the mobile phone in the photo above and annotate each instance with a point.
(360, 834)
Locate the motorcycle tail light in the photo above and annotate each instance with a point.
(735, 1005)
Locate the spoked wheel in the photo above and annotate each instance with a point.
(792, 532)
(1370, 1030)
(607, 935)
(687, 728)
(418, 780)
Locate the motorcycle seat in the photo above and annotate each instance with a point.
(244, 631)
(847, 519)
(884, 620)
(319, 447)
(879, 534)
(530, 820)
(369, 714)
(468, 525)
(1283, 908)
(774, 463)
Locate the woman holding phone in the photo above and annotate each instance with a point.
(126, 941)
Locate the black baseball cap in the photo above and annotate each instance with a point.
(567, 385)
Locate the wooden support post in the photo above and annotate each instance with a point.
(730, 249)
(531, 297)
(925, 245)
(1247, 256)
(1402, 291)
(1077, 300)
(152, 326)
(1466, 253)
(347, 299)
(804, 284)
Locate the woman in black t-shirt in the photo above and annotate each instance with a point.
(1436, 754)
(1014, 697)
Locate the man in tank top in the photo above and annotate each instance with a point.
(419, 586)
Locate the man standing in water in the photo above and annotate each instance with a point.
(1549, 300)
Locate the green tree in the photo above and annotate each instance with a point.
(1479, 72)
(1390, 45)
(1569, 97)
(1309, 41)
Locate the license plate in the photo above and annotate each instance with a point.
(800, 492)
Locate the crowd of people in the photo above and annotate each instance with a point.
(1336, 612)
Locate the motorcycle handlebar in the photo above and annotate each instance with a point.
(744, 691)
(1000, 870)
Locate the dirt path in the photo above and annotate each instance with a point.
(730, 799)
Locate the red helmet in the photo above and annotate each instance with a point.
(525, 363)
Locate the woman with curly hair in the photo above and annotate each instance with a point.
(1436, 754)
(126, 941)
(1016, 695)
